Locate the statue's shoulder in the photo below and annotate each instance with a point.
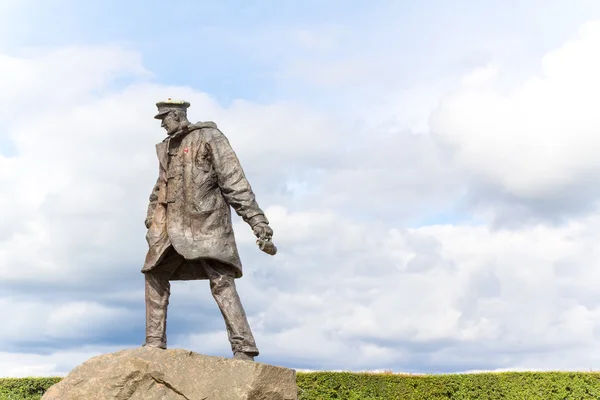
(205, 125)
(208, 130)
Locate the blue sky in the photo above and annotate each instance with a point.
(245, 50)
(428, 168)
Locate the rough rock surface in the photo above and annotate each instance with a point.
(174, 374)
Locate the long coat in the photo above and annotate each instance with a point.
(200, 178)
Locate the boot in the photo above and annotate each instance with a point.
(240, 355)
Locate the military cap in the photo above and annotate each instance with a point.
(164, 107)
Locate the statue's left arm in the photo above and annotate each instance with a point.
(233, 183)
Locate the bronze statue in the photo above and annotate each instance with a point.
(190, 235)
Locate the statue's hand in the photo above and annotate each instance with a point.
(262, 231)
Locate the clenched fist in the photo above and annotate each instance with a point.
(262, 231)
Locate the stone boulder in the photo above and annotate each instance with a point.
(173, 374)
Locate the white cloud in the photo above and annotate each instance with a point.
(35, 320)
(59, 363)
(481, 76)
(497, 297)
(534, 140)
(82, 318)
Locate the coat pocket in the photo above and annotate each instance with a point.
(207, 197)
(211, 224)
(203, 159)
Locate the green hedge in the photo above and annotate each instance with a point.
(366, 386)
(25, 388)
(489, 386)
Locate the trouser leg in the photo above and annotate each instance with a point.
(158, 290)
(222, 287)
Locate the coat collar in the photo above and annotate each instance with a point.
(163, 147)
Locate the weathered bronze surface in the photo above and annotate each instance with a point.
(190, 234)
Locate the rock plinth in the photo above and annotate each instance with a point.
(173, 374)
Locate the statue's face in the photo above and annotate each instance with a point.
(170, 123)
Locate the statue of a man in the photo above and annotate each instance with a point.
(190, 235)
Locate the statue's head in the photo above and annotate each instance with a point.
(173, 114)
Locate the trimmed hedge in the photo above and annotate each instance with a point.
(485, 386)
(368, 386)
(25, 388)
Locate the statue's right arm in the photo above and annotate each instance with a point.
(152, 204)
(156, 196)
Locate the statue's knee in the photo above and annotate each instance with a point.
(220, 283)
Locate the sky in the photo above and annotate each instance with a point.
(429, 169)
